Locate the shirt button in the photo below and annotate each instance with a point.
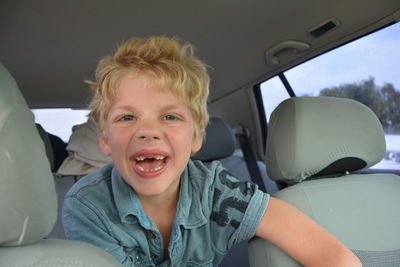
(150, 235)
(153, 256)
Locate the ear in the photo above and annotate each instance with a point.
(197, 142)
(104, 145)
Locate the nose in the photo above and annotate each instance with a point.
(148, 131)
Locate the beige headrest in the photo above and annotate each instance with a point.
(28, 204)
(322, 136)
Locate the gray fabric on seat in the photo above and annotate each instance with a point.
(361, 210)
(379, 258)
(219, 144)
(28, 204)
(311, 133)
(63, 184)
(219, 141)
(56, 253)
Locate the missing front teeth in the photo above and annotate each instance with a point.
(141, 158)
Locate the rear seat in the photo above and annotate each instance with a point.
(63, 183)
(55, 148)
(219, 144)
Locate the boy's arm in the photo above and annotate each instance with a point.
(302, 238)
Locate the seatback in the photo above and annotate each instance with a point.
(220, 144)
(317, 145)
(28, 204)
(55, 148)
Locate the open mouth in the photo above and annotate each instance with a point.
(151, 163)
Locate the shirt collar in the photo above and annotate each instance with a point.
(189, 211)
(122, 197)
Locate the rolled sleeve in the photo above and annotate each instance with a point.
(237, 208)
(253, 216)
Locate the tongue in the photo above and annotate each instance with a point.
(149, 164)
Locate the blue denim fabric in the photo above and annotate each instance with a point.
(215, 211)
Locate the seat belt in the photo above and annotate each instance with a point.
(242, 134)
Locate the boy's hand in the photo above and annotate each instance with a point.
(302, 238)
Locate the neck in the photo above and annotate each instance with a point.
(163, 202)
(162, 210)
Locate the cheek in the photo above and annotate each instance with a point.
(112, 144)
(186, 141)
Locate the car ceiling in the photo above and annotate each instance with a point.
(52, 46)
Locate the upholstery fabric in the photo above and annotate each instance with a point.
(219, 141)
(28, 201)
(307, 134)
(56, 253)
(28, 205)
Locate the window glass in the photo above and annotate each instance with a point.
(365, 70)
(273, 92)
(59, 121)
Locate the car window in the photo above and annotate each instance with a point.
(365, 70)
(273, 92)
(59, 121)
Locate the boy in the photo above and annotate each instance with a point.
(153, 205)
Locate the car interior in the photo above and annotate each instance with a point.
(332, 152)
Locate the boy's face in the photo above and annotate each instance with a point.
(149, 133)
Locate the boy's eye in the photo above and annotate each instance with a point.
(170, 118)
(127, 118)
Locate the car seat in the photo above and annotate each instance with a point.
(317, 145)
(28, 204)
(220, 144)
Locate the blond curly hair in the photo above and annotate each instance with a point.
(167, 60)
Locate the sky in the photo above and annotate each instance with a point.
(60, 121)
(376, 55)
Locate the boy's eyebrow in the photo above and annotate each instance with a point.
(169, 107)
(125, 107)
(131, 108)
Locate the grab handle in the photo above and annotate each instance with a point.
(271, 55)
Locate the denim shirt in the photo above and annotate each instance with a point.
(215, 211)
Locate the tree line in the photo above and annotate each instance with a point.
(383, 100)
